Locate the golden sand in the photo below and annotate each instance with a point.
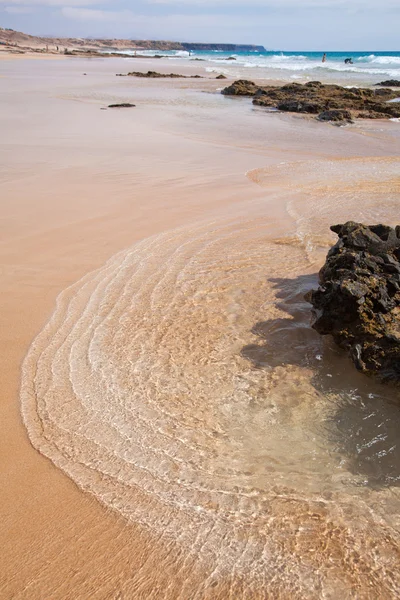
(184, 232)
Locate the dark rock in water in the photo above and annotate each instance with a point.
(390, 83)
(358, 299)
(231, 58)
(221, 77)
(315, 98)
(155, 75)
(122, 105)
(241, 87)
(342, 116)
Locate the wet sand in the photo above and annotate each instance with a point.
(79, 185)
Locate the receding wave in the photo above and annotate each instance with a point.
(182, 385)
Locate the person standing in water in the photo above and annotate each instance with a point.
(324, 57)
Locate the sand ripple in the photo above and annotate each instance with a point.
(147, 389)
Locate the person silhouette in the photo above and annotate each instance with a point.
(324, 57)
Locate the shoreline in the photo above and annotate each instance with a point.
(232, 69)
(98, 182)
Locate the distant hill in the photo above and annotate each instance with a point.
(224, 47)
(11, 38)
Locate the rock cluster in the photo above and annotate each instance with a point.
(358, 299)
(342, 104)
(155, 75)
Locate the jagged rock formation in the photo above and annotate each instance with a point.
(155, 75)
(358, 300)
(339, 103)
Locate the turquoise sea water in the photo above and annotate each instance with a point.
(368, 66)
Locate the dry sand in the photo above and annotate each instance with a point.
(77, 185)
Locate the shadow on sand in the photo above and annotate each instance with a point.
(365, 418)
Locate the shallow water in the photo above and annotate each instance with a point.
(182, 385)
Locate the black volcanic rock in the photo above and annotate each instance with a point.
(316, 98)
(358, 299)
(155, 75)
(390, 83)
(122, 105)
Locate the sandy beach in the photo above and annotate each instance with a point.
(222, 181)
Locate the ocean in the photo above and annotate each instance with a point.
(368, 67)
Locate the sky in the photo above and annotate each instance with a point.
(321, 25)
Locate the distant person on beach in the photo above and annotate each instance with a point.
(324, 57)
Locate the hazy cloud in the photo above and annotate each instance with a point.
(13, 5)
(90, 14)
(283, 4)
(176, 20)
(19, 10)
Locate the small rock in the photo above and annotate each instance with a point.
(122, 105)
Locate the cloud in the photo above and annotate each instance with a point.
(176, 20)
(19, 10)
(285, 4)
(90, 14)
(19, 6)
